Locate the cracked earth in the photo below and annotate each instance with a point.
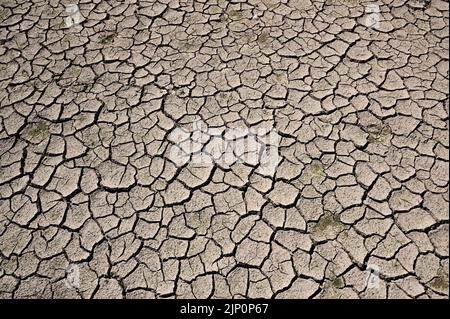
(93, 206)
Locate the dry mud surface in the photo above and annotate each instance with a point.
(93, 203)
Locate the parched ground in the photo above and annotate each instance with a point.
(92, 204)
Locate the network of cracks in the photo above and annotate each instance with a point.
(93, 203)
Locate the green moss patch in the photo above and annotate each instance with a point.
(107, 39)
(328, 224)
(263, 38)
(37, 131)
(379, 133)
(440, 282)
(318, 169)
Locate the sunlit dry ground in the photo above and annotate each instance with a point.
(93, 204)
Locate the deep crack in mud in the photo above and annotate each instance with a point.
(121, 169)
